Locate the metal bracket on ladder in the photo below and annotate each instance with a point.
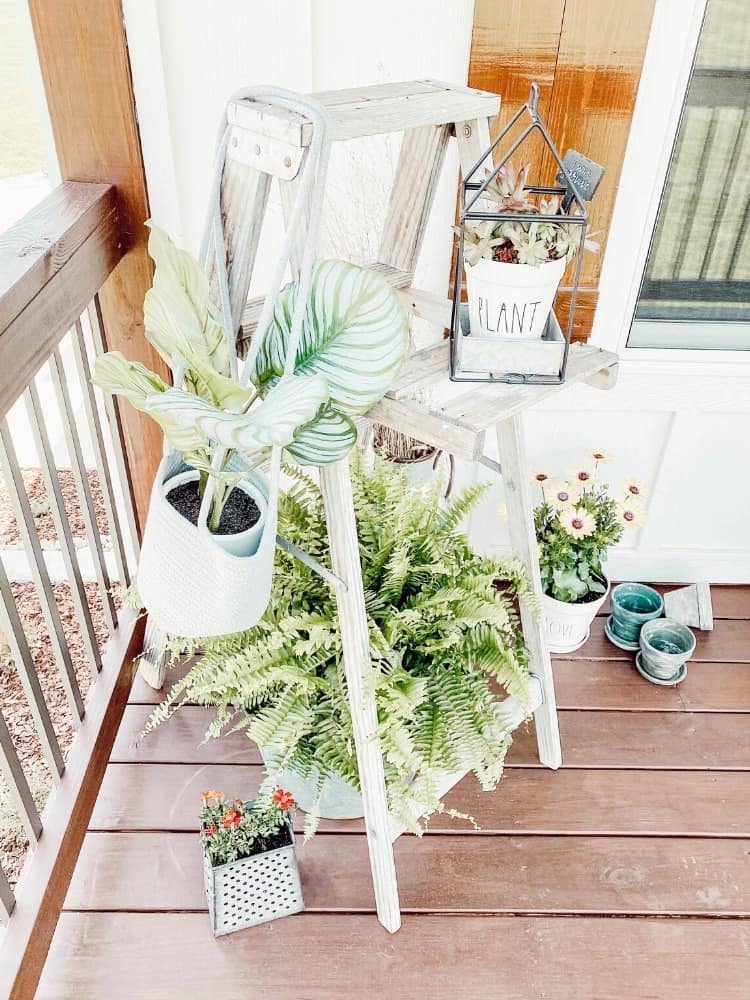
(262, 152)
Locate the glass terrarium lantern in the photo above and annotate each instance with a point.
(508, 330)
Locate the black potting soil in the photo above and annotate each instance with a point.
(281, 838)
(240, 511)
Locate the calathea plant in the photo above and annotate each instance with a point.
(355, 334)
(212, 410)
(443, 636)
(354, 339)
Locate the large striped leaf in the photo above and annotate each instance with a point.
(329, 437)
(191, 423)
(176, 313)
(355, 333)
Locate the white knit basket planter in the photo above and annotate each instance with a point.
(253, 890)
(511, 300)
(189, 584)
(568, 626)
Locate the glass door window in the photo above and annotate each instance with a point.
(696, 287)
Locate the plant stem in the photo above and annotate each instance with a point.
(217, 505)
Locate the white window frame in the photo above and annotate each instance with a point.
(673, 39)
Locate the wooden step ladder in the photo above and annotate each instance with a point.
(266, 142)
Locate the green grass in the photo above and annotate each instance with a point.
(20, 143)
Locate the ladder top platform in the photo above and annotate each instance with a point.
(387, 107)
(455, 416)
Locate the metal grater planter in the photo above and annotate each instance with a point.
(253, 890)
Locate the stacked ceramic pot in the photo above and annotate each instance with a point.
(662, 646)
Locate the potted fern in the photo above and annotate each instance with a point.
(576, 523)
(209, 543)
(444, 639)
(513, 268)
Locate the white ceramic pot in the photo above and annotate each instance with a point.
(511, 300)
(567, 626)
(241, 543)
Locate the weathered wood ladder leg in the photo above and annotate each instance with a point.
(336, 487)
(473, 137)
(350, 598)
(512, 457)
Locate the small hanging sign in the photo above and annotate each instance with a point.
(584, 173)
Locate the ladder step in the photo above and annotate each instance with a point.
(389, 107)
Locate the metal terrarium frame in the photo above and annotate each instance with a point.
(504, 364)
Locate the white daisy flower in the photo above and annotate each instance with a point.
(578, 523)
(539, 476)
(634, 489)
(583, 474)
(601, 457)
(631, 514)
(560, 493)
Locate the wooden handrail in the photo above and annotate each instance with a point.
(52, 263)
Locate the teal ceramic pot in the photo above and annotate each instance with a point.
(633, 604)
(665, 646)
(338, 799)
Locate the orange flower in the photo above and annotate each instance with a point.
(211, 796)
(231, 818)
(210, 830)
(284, 800)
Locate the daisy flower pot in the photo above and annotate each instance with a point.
(577, 522)
(511, 299)
(567, 624)
(260, 886)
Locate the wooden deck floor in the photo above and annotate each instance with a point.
(625, 874)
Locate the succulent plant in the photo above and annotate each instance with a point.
(509, 189)
(480, 241)
(521, 242)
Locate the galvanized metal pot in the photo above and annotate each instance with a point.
(253, 890)
(338, 799)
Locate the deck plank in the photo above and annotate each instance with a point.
(338, 957)
(180, 740)
(554, 875)
(667, 740)
(528, 800)
(729, 642)
(617, 685)
(662, 740)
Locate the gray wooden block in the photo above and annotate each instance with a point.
(691, 606)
